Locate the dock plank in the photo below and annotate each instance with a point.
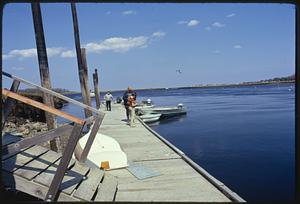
(46, 177)
(177, 181)
(73, 177)
(19, 160)
(88, 187)
(38, 165)
(21, 184)
(107, 189)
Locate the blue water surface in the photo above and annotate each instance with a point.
(244, 136)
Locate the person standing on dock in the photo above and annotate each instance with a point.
(132, 104)
(126, 95)
(108, 98)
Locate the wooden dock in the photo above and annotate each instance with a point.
(178, 180)
(33, 169)
(52, 176)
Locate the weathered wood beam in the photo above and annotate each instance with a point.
(9, 103)
(80, 62)
(54, 93)
(38, 139)
(85, 85)
(42, 106)
(96, 89)
(44, 67)
(91, 139)
(63, 164)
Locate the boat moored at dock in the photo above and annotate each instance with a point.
(150, 117)
(165, 111)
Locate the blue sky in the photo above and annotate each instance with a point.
(142, 45)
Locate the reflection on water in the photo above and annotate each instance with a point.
(170, 120)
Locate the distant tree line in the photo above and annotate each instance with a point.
(280, 79)
(33, 90)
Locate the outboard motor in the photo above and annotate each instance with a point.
(180, 105)
(119, 100)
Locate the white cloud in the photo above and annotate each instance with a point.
(218, 25)
(31, 52)
(24, 53)
(207, 28)
(230, 15)
(54, 51)
(122, 44)
(117, 44)
(237, 46)
(159, 34)
(4, 57)
(216, 51)
(129, 12)
(68, 54)
(190, 23)
(193, 23)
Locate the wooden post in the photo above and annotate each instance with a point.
(91, 139)
(9, 102)
(96, 89)
(83, 86)
(44, 68)
(64, 162)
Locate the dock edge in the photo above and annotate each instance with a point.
(218, 184)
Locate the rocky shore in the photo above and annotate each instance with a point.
(28, 128)
(24, 127)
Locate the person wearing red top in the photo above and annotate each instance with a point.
(132, 103)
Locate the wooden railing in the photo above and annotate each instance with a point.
(76, 128)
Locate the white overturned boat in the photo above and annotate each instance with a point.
(104, 149)
(150, 117)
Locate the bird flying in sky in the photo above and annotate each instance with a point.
(179, 71)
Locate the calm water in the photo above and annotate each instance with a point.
(243, 136)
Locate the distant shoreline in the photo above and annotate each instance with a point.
(213, 86)
(180, 87)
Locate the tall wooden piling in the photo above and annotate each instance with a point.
(44, 68)
(85, 77)
(83, 86)
(96, 88)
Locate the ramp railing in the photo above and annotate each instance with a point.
(76, 127)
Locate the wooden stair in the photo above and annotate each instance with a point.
(32, 169)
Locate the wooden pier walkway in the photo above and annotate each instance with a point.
(52, 176)
(31, 170)
(177, 181)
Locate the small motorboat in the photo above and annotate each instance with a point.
(143, 105)
(150, 117)
(166, 111)
(92, 94)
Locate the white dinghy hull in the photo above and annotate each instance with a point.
(104, 149)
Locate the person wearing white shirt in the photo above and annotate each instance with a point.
(108, 98)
